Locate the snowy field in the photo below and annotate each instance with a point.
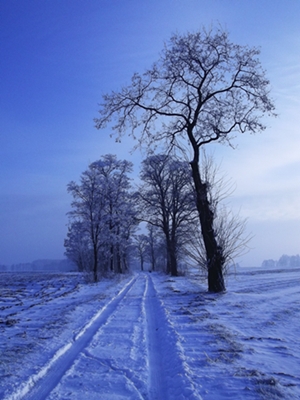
(150, 336)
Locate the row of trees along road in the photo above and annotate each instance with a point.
(202, 89)
(106, 214)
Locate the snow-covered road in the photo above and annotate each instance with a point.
(149, 336)
(126, 350)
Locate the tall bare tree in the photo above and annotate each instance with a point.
(203, 89)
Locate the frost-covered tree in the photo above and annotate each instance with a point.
(87, 215)
(78, 247)
(167, 201)
(118, 207)
(102, 217)
(203, 89)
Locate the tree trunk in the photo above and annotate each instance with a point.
(153, 268)
(172, 259)
(95, 267)
(168, 258)
(111, 258)
(124, 261)
(173, 265)
(214, 252)
(119, 261)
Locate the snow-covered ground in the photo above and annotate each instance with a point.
(150, 336)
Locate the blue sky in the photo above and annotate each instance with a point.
(57, 59)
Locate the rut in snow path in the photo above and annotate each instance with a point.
(39, 386)
(169, 376)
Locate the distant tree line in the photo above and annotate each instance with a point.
(284, 261)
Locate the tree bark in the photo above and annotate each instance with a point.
(214, 253)
(173, 264)
(172, 259)
(153, 268)
(95, 267)
(119, 261)
(111, 258)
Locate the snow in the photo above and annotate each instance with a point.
(150, 336)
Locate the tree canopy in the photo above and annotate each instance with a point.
(203, 88)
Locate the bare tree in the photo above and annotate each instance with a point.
(229, 228)
(167, 201)
(203, 89)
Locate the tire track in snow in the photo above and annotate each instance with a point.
(157, 384)
(168, 372)
(40, 385)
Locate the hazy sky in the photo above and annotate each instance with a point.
(59, 56)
